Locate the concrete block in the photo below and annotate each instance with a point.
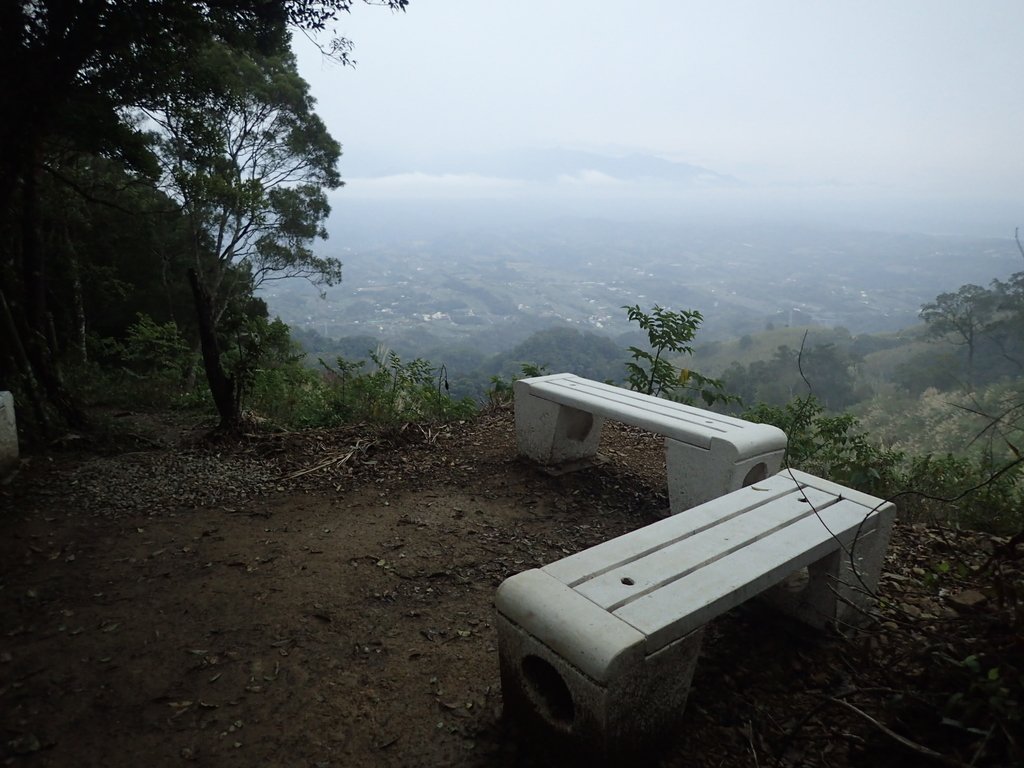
(581, 677)
(8, 435)
(697, 474)
(550, 433)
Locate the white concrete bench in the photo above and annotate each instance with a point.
(559, 419)
(8, 435)
(600, 647)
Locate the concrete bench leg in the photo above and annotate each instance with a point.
(550, 433)
(834, 590)
(697, 475)
(624, 718)
(8, 435)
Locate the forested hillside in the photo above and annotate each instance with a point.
(159, 162)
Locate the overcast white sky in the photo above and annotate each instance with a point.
(915, 98)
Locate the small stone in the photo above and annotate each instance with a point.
(968, 598)
(911, 610)
(25, 745)
(819, 680)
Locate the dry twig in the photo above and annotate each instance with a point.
(339, 460)
(912, 745)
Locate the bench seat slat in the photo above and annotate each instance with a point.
(574, 569)
(685, 604)
(632, 579)
(678, 421)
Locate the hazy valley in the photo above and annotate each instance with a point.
(487, 288)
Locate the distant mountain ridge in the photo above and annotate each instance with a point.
(546, 165)
(551, 164)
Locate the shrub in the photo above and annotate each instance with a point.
(500, 391)
(833, 447)
(652, 373)
(395, 392)
(149, 367)
(961, 490)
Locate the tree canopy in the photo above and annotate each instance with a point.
(987, 324)
(184, 117)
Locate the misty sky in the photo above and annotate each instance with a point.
(900, 99)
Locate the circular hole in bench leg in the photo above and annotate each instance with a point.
(757, 473)
(578, 424)
(549, 691)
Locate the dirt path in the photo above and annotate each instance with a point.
(325, 599)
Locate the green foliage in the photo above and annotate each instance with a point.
(277, 386)
(198, 99)
(966, 491)
(825, 370)
(929, 369)
(986, 324)
(291, 395)
(961, 318)
(586, 354)
(753, 347)
(395, 392)
(249, 163)
(991, 690)
(652, 373)
(985, 424)
(958, 446)
(833, 447)
(961, 313)
(157, 360)
(153, 349)
(500, 391)
(667, 331)
(258, 347)
(149, 367)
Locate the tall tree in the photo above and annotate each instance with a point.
(73, 71)
(249, 164)
(960, 317)
(70, 71)
(1006, 328)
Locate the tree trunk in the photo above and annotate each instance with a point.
(222, 386)
(77, 299)
(36, 319)
(81, 327)
(20, 365)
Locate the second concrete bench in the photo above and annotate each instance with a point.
(559, 420)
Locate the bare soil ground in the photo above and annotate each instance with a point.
(325, 599)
